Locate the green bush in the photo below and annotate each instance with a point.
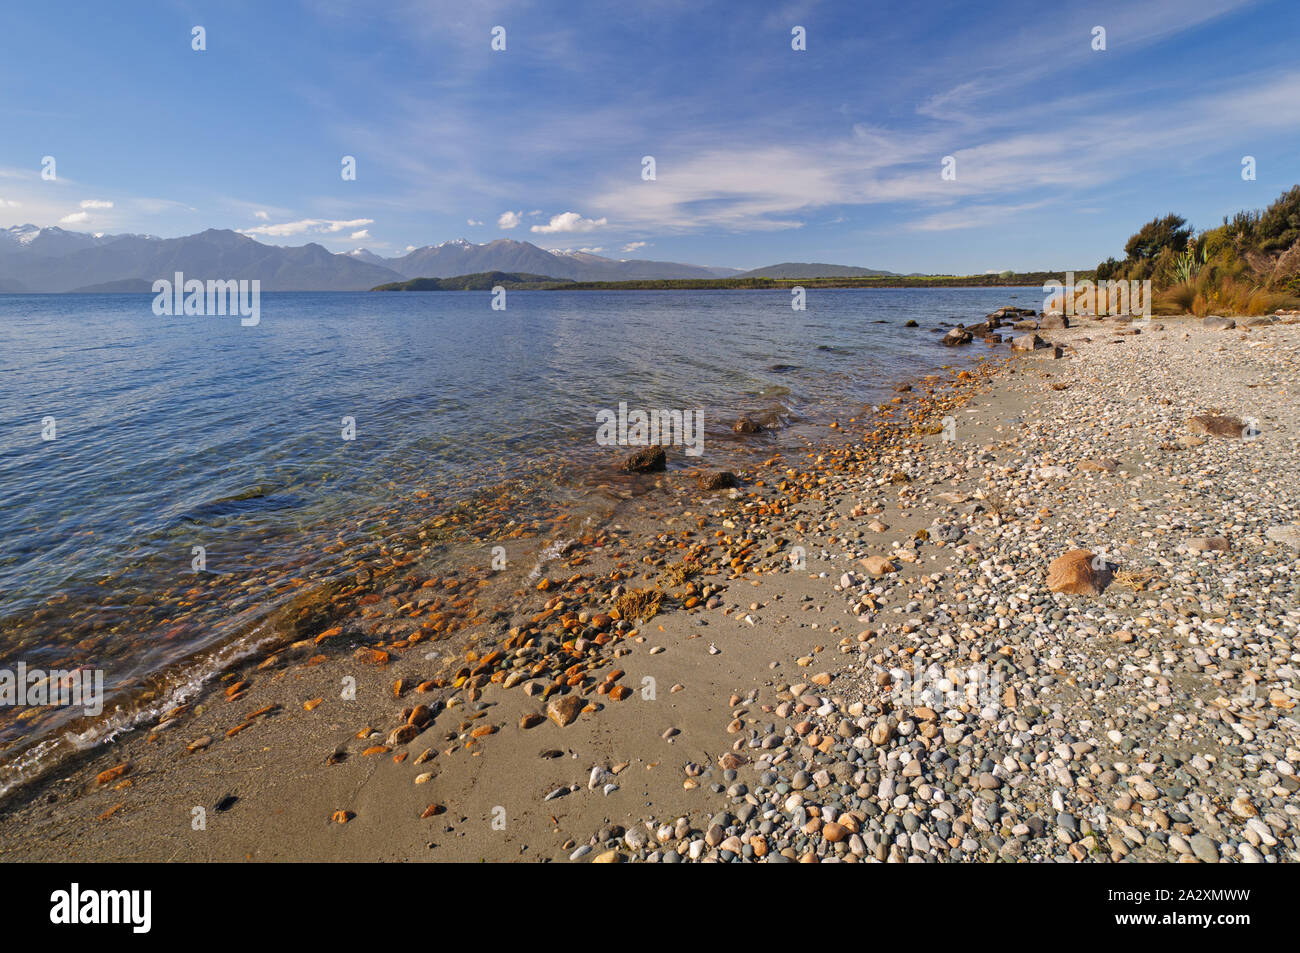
(1279, 225)
(1158, 235)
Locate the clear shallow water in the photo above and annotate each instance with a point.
(180, 431)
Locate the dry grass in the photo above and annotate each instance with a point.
(1135, 579)
(1226, 296)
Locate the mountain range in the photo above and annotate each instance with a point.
(52, 259)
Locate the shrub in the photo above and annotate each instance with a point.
(1158, 235)
(1108, 269)
(1279, 225)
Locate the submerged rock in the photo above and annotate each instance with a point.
(718, 480)
(649, 460)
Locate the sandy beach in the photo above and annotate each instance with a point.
(857, 654)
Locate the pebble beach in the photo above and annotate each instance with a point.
(1042, 609)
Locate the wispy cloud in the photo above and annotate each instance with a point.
(753, 187)
(307, 226)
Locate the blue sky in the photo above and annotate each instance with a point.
(763, 154)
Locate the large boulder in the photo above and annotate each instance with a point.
(1053, 322)
(1078, 572)
(1027, 342)
(1216, 323)
(957, 336)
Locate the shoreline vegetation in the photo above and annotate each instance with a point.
(1249, 265)
(945, 672)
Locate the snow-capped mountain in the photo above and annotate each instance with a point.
(461, 257)
(53, 259)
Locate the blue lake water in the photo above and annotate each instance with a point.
(176, 432)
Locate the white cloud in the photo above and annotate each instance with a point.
(96, 203)
(999, 174)
(568, 222)
(5, 203)
(633, 246)
(76, 218)
(473, 221)
(314, 226)
(357, 236)
(262, 215)
(509, 219)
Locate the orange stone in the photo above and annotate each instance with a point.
(112, 774)
(1073, 573)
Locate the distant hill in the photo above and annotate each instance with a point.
(125, 286)
(483, 281)
(461, 257)
(807, 269)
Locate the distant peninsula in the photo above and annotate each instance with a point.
(479, 281)
(518, 281)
